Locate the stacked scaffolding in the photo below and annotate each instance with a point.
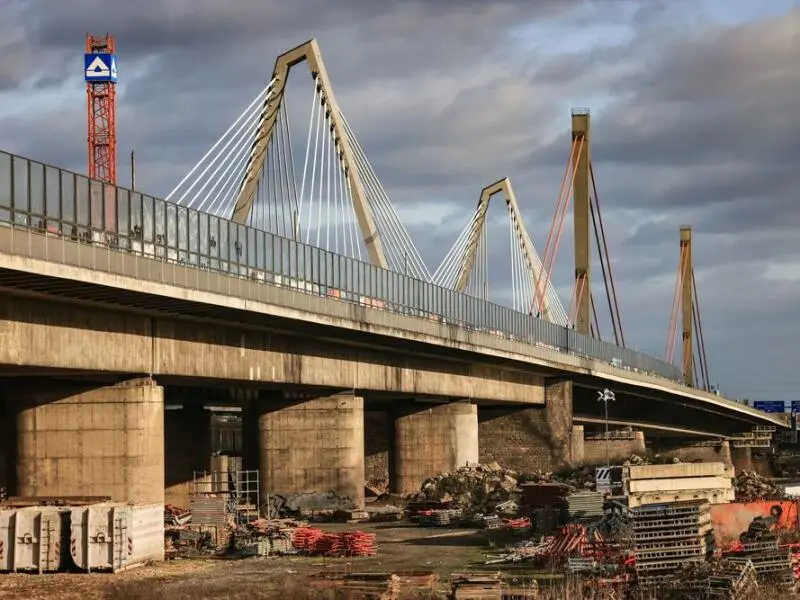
(235, 491)
(669, 536)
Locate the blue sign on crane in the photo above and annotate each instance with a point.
(770, 406)
(100, 67)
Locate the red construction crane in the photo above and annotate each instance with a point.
(100, 73)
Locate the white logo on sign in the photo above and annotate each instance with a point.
(98, 68)
(113, 68)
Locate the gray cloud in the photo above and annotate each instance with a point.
(694, 123)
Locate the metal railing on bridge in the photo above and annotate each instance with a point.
(56, 202)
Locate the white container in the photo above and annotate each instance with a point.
(30, 538)
(114, 537)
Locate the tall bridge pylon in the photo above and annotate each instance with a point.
(686, 304)
(579, 182)
(318, 188)
(465, 267)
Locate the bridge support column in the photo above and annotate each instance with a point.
(313, 446)
(694, 450)
(77, 440)
(429, 439)
(537, 438)
(742, 458)
(187, 443)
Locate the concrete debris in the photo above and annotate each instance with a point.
(750, 486)
(472, 489)
(386, 512)
(312, 501)
(490, 489)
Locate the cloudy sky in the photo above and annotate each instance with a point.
(694, 104)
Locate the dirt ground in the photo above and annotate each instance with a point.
(401, 547)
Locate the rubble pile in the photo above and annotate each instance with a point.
(482, 488)
(750, 486)
(473, 488)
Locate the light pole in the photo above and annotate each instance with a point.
(605, 396)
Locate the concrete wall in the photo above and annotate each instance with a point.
(597, 451)
(691, 451)
(530, 439)
(430, 439)
(313, 446)
(742, 458)
(44, 334)
(378, 441)
(79, 440)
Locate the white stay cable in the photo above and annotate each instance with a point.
(259, 97)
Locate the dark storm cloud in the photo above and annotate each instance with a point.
(697, 125)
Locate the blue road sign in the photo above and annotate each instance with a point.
(770, 406)
(796, 406)
(100, 68)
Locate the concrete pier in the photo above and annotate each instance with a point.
(742, 458)
(85, 440)
(312, 446)
(429, 439)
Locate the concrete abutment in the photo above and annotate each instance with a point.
(88, 440)
(694, 450)
(538, 438)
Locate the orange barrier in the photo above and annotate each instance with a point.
(730, 520)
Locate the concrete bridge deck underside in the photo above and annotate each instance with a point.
(160, 318)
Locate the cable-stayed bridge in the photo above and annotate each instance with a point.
(280, 264)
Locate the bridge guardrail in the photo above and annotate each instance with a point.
(54, 201)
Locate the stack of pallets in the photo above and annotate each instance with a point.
(771, 563)
(584, 505)
(475, 586)
(668, 536)
(732, 581)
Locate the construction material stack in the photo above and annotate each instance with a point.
(584, 505)
(732, 581)
(545, 504)
(669, 536)
(652, 484)
(760, 546)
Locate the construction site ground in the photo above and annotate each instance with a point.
(401, 547)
